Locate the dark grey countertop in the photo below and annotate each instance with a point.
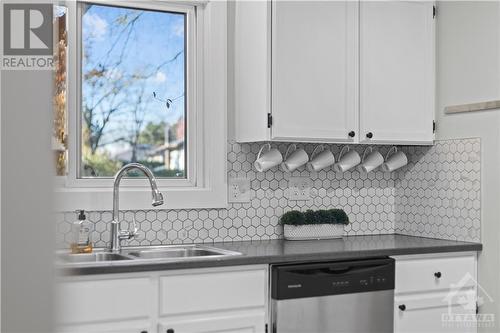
(282, 251)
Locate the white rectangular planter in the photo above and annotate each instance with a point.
(313, 231)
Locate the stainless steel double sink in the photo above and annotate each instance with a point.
(146, 254)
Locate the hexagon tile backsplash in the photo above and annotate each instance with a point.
(438, 192)
(424, 198)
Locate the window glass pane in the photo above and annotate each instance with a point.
(133, 91)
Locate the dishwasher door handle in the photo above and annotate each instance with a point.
(338, 270)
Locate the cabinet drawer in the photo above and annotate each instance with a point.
(86, 302)
(435, 312)
(202, 292)
(429, 274)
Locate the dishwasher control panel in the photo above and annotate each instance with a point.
(332, 278)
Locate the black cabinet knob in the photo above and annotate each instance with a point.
(352, 134)
(144, 331)
(170, 330)
(437, 274)
(369, 135)
(402, 307)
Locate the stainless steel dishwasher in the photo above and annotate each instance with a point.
(354, 296)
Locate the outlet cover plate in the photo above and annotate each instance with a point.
(299, 188)
(239, 190)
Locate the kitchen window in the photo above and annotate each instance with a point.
(133, 97)
(137, 92)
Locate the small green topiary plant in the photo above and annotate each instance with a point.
(330, 216)
(293, 217)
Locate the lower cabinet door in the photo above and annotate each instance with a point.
(211, 323)
(452, 311)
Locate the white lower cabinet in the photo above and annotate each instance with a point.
(434, 312)
(229, 299)
(435, 293)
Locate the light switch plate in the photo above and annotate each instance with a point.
(239, 190)
(299, 188)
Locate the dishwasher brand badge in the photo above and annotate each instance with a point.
(464, 303)
(294, 286)
(27, 36)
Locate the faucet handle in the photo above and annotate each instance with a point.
(136, 229)
(136, 234)
(127, 234)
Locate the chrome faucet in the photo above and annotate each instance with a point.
(118, 235)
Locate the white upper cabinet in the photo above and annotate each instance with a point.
(334, 71)
(252, 69)
(396, 72)
(314, 66)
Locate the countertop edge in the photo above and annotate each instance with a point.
(272, 259)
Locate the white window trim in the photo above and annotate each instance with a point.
(205, 186)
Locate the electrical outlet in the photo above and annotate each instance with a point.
(299, 188)
(239, 190)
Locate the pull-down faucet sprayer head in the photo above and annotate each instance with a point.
(157, 198)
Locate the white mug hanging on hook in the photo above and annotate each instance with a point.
(371, 161)
(294, 158)
(265, 161)
(348, 159)
(321, 158)
(394, 160)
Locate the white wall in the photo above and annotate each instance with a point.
(27, 225)
(468, 70)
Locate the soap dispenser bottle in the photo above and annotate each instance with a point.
(81, 234)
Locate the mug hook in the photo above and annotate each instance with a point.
(294, 146)
(268, 145)
(344, 150)
(393, 149)
(315, 151)
(364, 153)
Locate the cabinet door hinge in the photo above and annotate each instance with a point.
(434, 11)
(477, 308)
(269, 120)
(433, 127)
(266, 328)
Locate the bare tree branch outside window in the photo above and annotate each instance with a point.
(133, 91)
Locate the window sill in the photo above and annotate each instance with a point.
(69, 199)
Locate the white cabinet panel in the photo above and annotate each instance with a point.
(430, 313)
(226, 299)
(227, 323)
(89, 301)
(434, 273)
(427, 303)
(396, 71)
(219, 290)
(314, 70)
(252, 69)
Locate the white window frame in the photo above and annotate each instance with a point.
(205, 184)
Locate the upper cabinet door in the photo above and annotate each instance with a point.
(397, 72)
(314, 70)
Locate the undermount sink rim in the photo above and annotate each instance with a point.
(68, 258)
(129, 259)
